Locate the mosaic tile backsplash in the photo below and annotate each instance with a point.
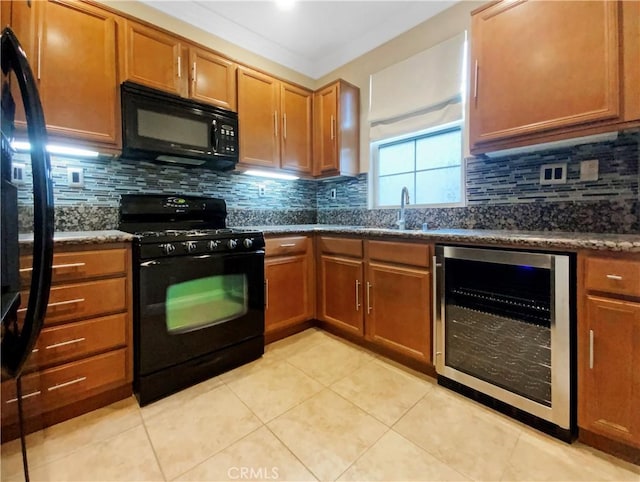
(501, 194)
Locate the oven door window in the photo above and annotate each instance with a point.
(196, 304)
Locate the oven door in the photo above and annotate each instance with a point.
(189, 306)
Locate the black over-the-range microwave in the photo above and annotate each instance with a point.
(158, 126)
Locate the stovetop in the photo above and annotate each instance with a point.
(182, 225)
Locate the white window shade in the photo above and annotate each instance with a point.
(420, 92)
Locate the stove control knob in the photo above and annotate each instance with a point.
(213, 245)
(232, 243)
(247, 243)
(190, 246)
(168, 248)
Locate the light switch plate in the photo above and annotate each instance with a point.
(553, 173)
(75, 176)
(589, 170)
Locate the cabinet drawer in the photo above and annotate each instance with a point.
(344, 246)
(285, 246)
(55, 387)
(402, 253)
(82, 300)
(619, 276)
(59, 344)
(80, 265)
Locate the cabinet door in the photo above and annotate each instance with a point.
(326, 141)
(295, 104)
(258, 118)
(213, 78)
(399, 309)
(154, 58)
(342, 302)
(288, 297)
(537, 66)
(609, 353)
(77, 71)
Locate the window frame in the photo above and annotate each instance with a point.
(375, 159)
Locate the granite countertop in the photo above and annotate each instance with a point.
(80, 237)
(533, 239)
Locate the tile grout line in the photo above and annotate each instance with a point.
(153, 449)
(364, 451)
(291, 452)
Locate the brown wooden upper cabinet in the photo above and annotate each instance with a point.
(337, 129)
(274, 122)
(76, 68)
(163, 61)
(212, 78)
(544, 71)
(154, 58)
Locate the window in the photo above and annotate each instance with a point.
(429, 165)
(415, 127)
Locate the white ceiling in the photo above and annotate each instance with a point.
(313, 37)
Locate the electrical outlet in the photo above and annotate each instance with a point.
(334, 193)
(17, 173)
(589, 170)
(553, 173)
(262, 190)
(75, 176)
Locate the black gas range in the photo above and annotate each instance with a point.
(198, 291)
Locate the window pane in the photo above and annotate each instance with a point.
(206, 301)
(439, 186)
(390, 187)
(397, 158)
(439, 150)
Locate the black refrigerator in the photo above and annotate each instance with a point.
(19, 335)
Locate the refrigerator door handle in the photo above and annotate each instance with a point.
(17, 348)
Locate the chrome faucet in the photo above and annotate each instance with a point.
(404, 199)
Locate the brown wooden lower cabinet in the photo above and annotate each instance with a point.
(609, 347)
(83, 358)
(342, 296)
(398, 309)
(610, 395)
(289, 282)
(379, 290)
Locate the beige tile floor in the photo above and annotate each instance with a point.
(313, 408)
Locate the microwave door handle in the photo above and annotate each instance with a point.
(214, 135)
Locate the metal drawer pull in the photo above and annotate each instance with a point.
(275, 123)
(369, 308)
(591, 349)
(57, 266)
(357, 295)
(475, 83)
(266, 294)
(614, 277)
(284, 126)
(288, 245)
(39, 55)
(58, 303)
(66, 384)
(64, 343)
(28, 395)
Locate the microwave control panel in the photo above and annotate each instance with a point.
(227, 139)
